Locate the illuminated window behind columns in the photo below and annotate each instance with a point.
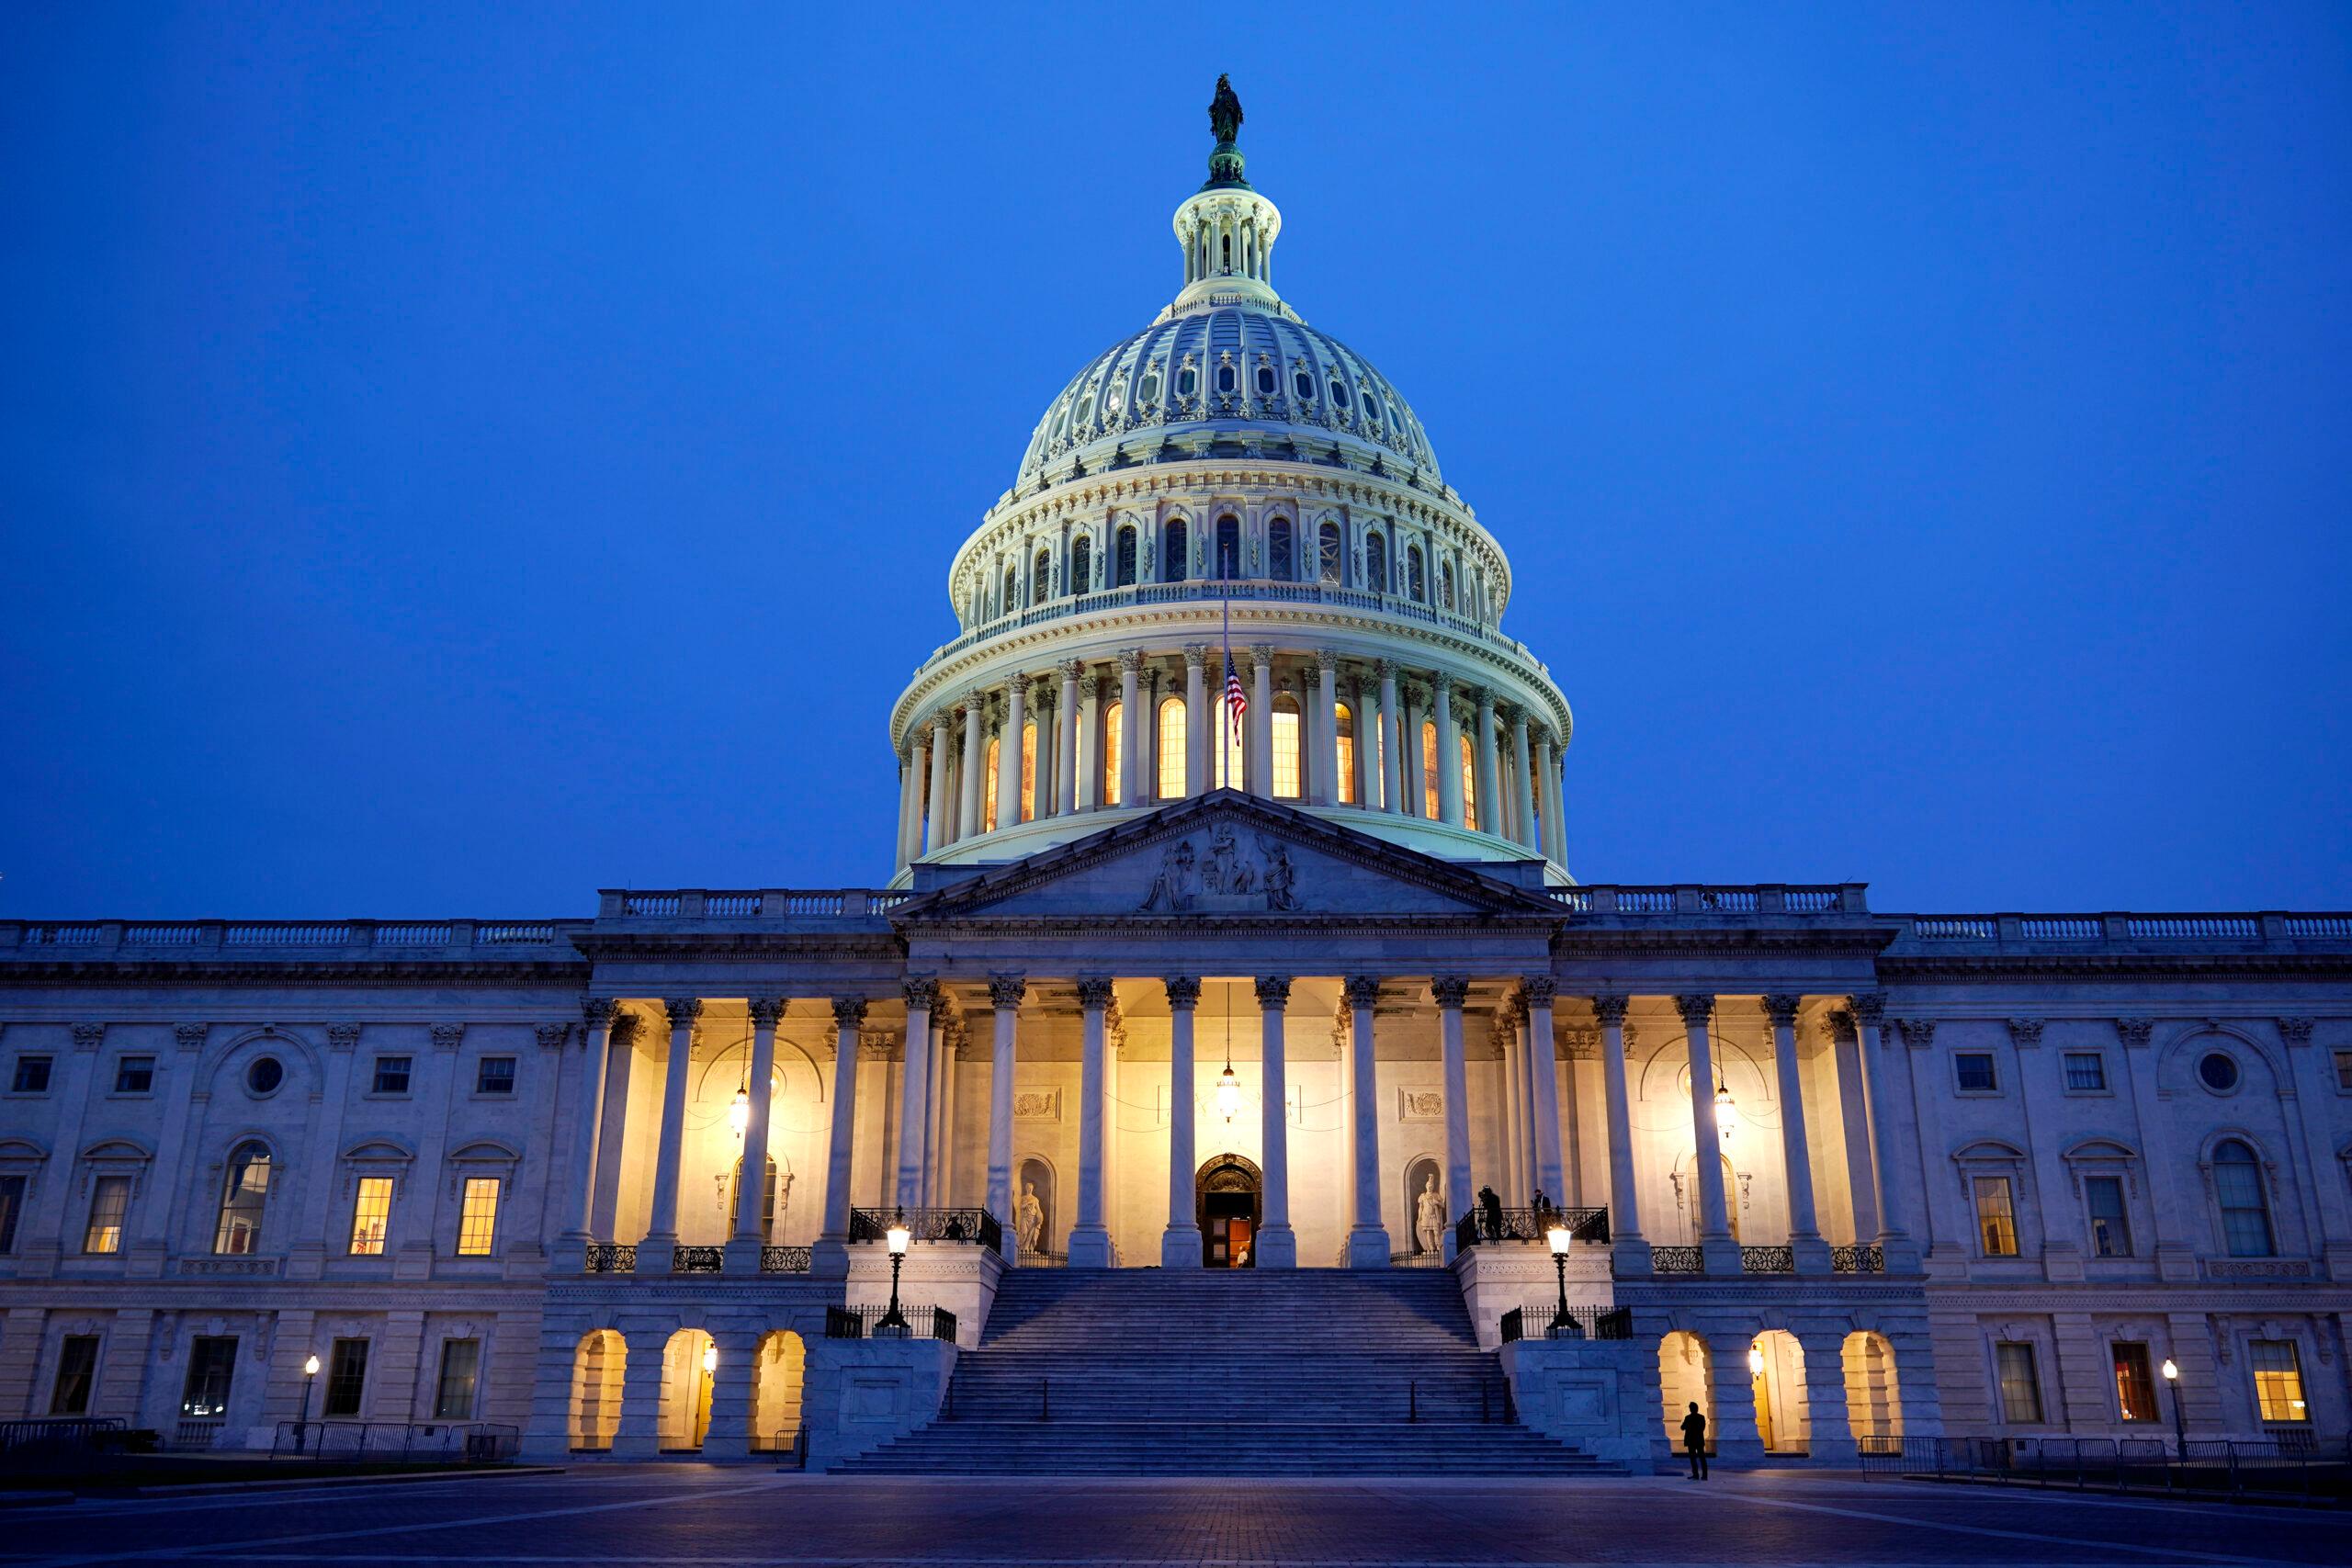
(987, 801)
(1469, 784)
(1114, 723)
(478, 1217)
(1347, 738)
(1026, 789)
(371, 1216)
(1172, 749)
(1227, 748)
(1428, 769)
(1286, 748)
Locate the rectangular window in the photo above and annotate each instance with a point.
(2020, 1388)
(2085, 1072)
(135, 1075)
(392, 1075)
(32, 1075)
(2110, 1227)
(1974, 1072)
(495, 1075)
(371, 1216)
(1286, 753)
(453, 1399)
(478, 1218)
(77, 1370)
(1347, 756)
(2135, 1390)
(12, 1205)
(109, 1201)
(211, 1366)
(1997, 1217)
(2343, 1071)
(2277, 1381)
(346, 1377)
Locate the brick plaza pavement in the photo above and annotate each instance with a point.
(710, 1517)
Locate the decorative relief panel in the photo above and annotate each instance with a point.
(1038, 1105)
(1226, 876)
(1420, 1105)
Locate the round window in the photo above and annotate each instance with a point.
(265, 1074)
(2219, 1072)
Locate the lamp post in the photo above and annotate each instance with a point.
(899, 1236)
(1561, 1238)
(302, 1427)
(2179, 1425)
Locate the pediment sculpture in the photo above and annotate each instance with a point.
(1226, 876)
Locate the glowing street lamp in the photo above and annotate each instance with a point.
(1561, 1239)
(897, 1235)
(2179, 1425)
(302, 1427)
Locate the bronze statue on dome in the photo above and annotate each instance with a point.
(1224, 112)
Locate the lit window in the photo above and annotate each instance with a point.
(477, 1216)
(135, 1075)
(1172, 749)
(242, 1198)
(109, 1199)
(453, 1397)
(2021, 1387)
(346, 1377)
(495, 1075)
(1347, 749)
(1973, 1071)
(1286, 728)
(2277, 1380)
(1028, 772)
(371, 1216)
(987, 795)
(212, 1367)
(1996, 1218)
(2135, 1390)
(1469, 785)
(1231, 768)
(2086, 1071)
(2110, 1227)
(2245, 1208)
(2343, 1071)
(1113, 746)
(32, 1075)
(78, 1372)
(392, 1075)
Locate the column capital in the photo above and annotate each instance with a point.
(849, 1012)
(921, 991)
(448, 1037)
(2295, 1031)
(1131, 660)
(1183, 992)
(598, 1012)
(942, 722)
(625, 1027)
(1540, 990)
(1327, 662)
(1841, 1025)
(1094, 992)
(2132, 1032)
(1782, 1010)
(551, 1036)
(1870, 1007)
(190, 1036)
(1041, 698)
(1262, 653)
(1441, 684)
(1919, 1034)
(1385, 668)
(1072, 669)
(1695, 1007)
(767, 1011)
(1007, 990)
(1196, 655)
(682, 1011)
(1450, 991)
(343, 1036)
(1362, 991)
(1610, 1007)
(1273, 990)
(976, 702)
(2025, 1031)
(1484, 697)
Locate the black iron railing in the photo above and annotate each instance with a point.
(1482, 1225)
(400, 1442)
(784, 1259)
(2295, 1465)
(612, 1258)
(1678, 1260)
(865, 1323)
(1865, 1259)
(1768, 1260)
(1546, 1321)
(929, 1225)
(697, 1259)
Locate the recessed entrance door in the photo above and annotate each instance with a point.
(1227, 1193)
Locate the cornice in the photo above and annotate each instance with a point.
(608, 947)
(2117, 965)
(281, 972)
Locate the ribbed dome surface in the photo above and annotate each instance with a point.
(1223, 370)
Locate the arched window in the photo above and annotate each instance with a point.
(1281, 550)
(1329, 554)
(1286, 748)
(987, 803)
(242, 1197)
(1123, 560)
(767, 1197)
(1376, 562)
(1113, 746)
(1175, 551)
(1445, 585)
(1041, 578)
(2245, 1209)
(1226, 242)
(1428, 769)
(1011, 599)
(1026, 788)
(1172, 749)
(1469, 787)
(1417, 586)
(1227, 564)
(1081, 564)
(1347, 737)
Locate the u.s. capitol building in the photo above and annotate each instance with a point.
(1230, 1038)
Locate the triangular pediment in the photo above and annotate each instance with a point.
(1233, 856)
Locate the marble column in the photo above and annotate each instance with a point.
(1731, 1397)
(1065, 796)
(1511, 1182)
(612, 1132)
(1854, 1123)
(1130, 727)
(661, 1235)
(1523, 785)
(1415, 762)
(596, 1015)
(1180, 1243)
(1392, 751)
(914, 1097)
(1555, 824)
(1449, 751)
(1804, 1227)
(1261, 720)
(1367, 1236)
(743, 1246)
(1719, 1251)
(1544, 1078)
(1829, 1430)
(911, 768)
(1490, 767)
(971, 822)
(939, 1124)
(1630, 1253)
(830, 1257)
(1005, 994)
(1009, 781)
(1276, 1244)
(1449, 992)
(1325, 788)
(1091, 777)
(1089, 1239)
(1199, 722)
(1887, 1121)
(939, 822)
(1366, 723)
(1041, 768)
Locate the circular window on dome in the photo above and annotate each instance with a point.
(264, 1075)
(1266, 382)
(2218, 1071)
(1339, 394)
(1188, 382)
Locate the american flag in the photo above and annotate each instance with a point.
(1237, 702)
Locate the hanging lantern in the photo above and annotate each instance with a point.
(1726, 1113)
(739, 1114)
(1228, 1094)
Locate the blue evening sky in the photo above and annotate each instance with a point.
(455, 457)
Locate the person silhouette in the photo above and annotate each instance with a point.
(1694, 1439)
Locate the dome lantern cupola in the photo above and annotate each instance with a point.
(1227, 229)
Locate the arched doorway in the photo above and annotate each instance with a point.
(1227, 1192)
(598, 1364)
(1873, 1405)
(688, 1362)
(776, 1392)
(1776, 1382)
(1683, 1381)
